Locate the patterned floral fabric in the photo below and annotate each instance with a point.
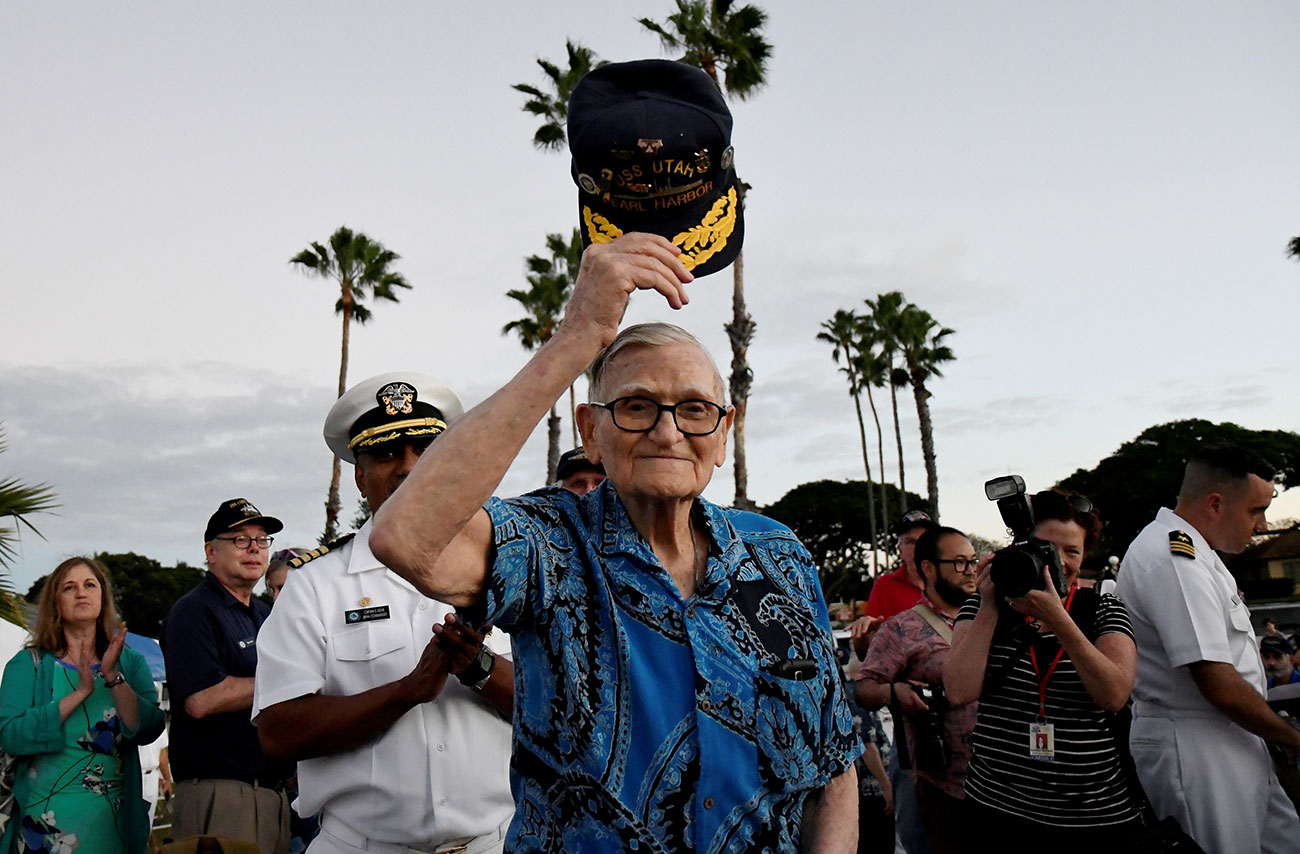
(646, 722)
(907, 649)
(75, 800)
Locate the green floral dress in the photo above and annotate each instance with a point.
(75, 796)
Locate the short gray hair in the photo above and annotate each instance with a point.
(646, 335)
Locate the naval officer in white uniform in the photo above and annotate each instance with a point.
(1200, 722)
(351, 682)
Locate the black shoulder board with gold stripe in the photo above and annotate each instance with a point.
(332, 545)
(1181, 544)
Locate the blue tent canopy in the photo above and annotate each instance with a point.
(152, 652)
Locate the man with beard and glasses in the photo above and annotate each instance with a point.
(905, 665)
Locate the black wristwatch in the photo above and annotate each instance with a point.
(479, 671)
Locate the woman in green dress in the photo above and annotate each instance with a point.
(73, 707)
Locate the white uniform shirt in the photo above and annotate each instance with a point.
(1183, 610)
(442, 771)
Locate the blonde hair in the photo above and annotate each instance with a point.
(647, 335)
(48, 633)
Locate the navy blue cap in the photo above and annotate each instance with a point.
(651, 147)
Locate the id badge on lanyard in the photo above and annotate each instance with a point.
(1042, 734)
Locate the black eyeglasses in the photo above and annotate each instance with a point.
(641, 414)
(966, 566)
(243, 541)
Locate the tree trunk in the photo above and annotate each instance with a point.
(880, 453)
(332, 503)
(898, 437)
(927, 440)
(573, 417)
(866, 463)
(553, 447)
(740, 331)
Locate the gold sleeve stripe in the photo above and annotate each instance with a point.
(392, 430)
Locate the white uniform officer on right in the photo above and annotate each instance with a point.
(1200, 721)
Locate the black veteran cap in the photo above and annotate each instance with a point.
(236, 512)
(575, 460)
(399, 406)
(651, 146)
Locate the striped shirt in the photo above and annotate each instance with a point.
(1084, 786)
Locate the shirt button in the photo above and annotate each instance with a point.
(441, 747)
(423, 605)
(442, 803)
(708, 803)
(690, 612)
(705, 706)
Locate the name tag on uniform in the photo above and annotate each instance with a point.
(366, 615)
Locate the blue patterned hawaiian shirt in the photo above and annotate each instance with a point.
(651, 723)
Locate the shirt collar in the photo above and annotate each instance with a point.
(361, 559)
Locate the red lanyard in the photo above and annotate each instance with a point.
(1042, 678)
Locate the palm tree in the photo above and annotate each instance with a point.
(360, 267)
(553, 108)
(873, 371)
(726, 43)
(18, 501)
(885, 316)
(1293, 248)
(550, 282)
(921, 345)
(842, 333)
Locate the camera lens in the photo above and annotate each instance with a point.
(1016, 571)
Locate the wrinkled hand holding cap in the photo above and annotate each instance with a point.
(236, 512)
(393, 407)
(651, 147)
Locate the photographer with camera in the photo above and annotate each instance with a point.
(904, 668)
(1049, 662)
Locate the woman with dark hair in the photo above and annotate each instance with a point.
(1049, 671)
(73, 707)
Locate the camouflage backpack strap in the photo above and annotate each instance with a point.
(333, 545)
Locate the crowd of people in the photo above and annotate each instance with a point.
(614, 663)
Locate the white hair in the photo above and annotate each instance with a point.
(647, 335)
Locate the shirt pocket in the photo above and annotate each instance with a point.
(788, 730)
(369, 651)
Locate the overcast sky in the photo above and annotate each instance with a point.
(1097, 198)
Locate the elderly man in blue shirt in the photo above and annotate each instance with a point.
(676, 682)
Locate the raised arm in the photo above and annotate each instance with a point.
(433, 531)
(963, 671)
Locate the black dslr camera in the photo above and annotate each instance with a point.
(930, 750)
(1018, 568)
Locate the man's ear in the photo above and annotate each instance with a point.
(208, 551)
(725, 427)
(360, 481)
(587, 430)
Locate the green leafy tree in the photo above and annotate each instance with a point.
(550, 282)
(842, 332)
(922, 349)
(830, 517)
(19, 501)
(553, 107)
(1145, 473)
(361, 268)
(726, 41)
(143, 588)
(885, 312)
